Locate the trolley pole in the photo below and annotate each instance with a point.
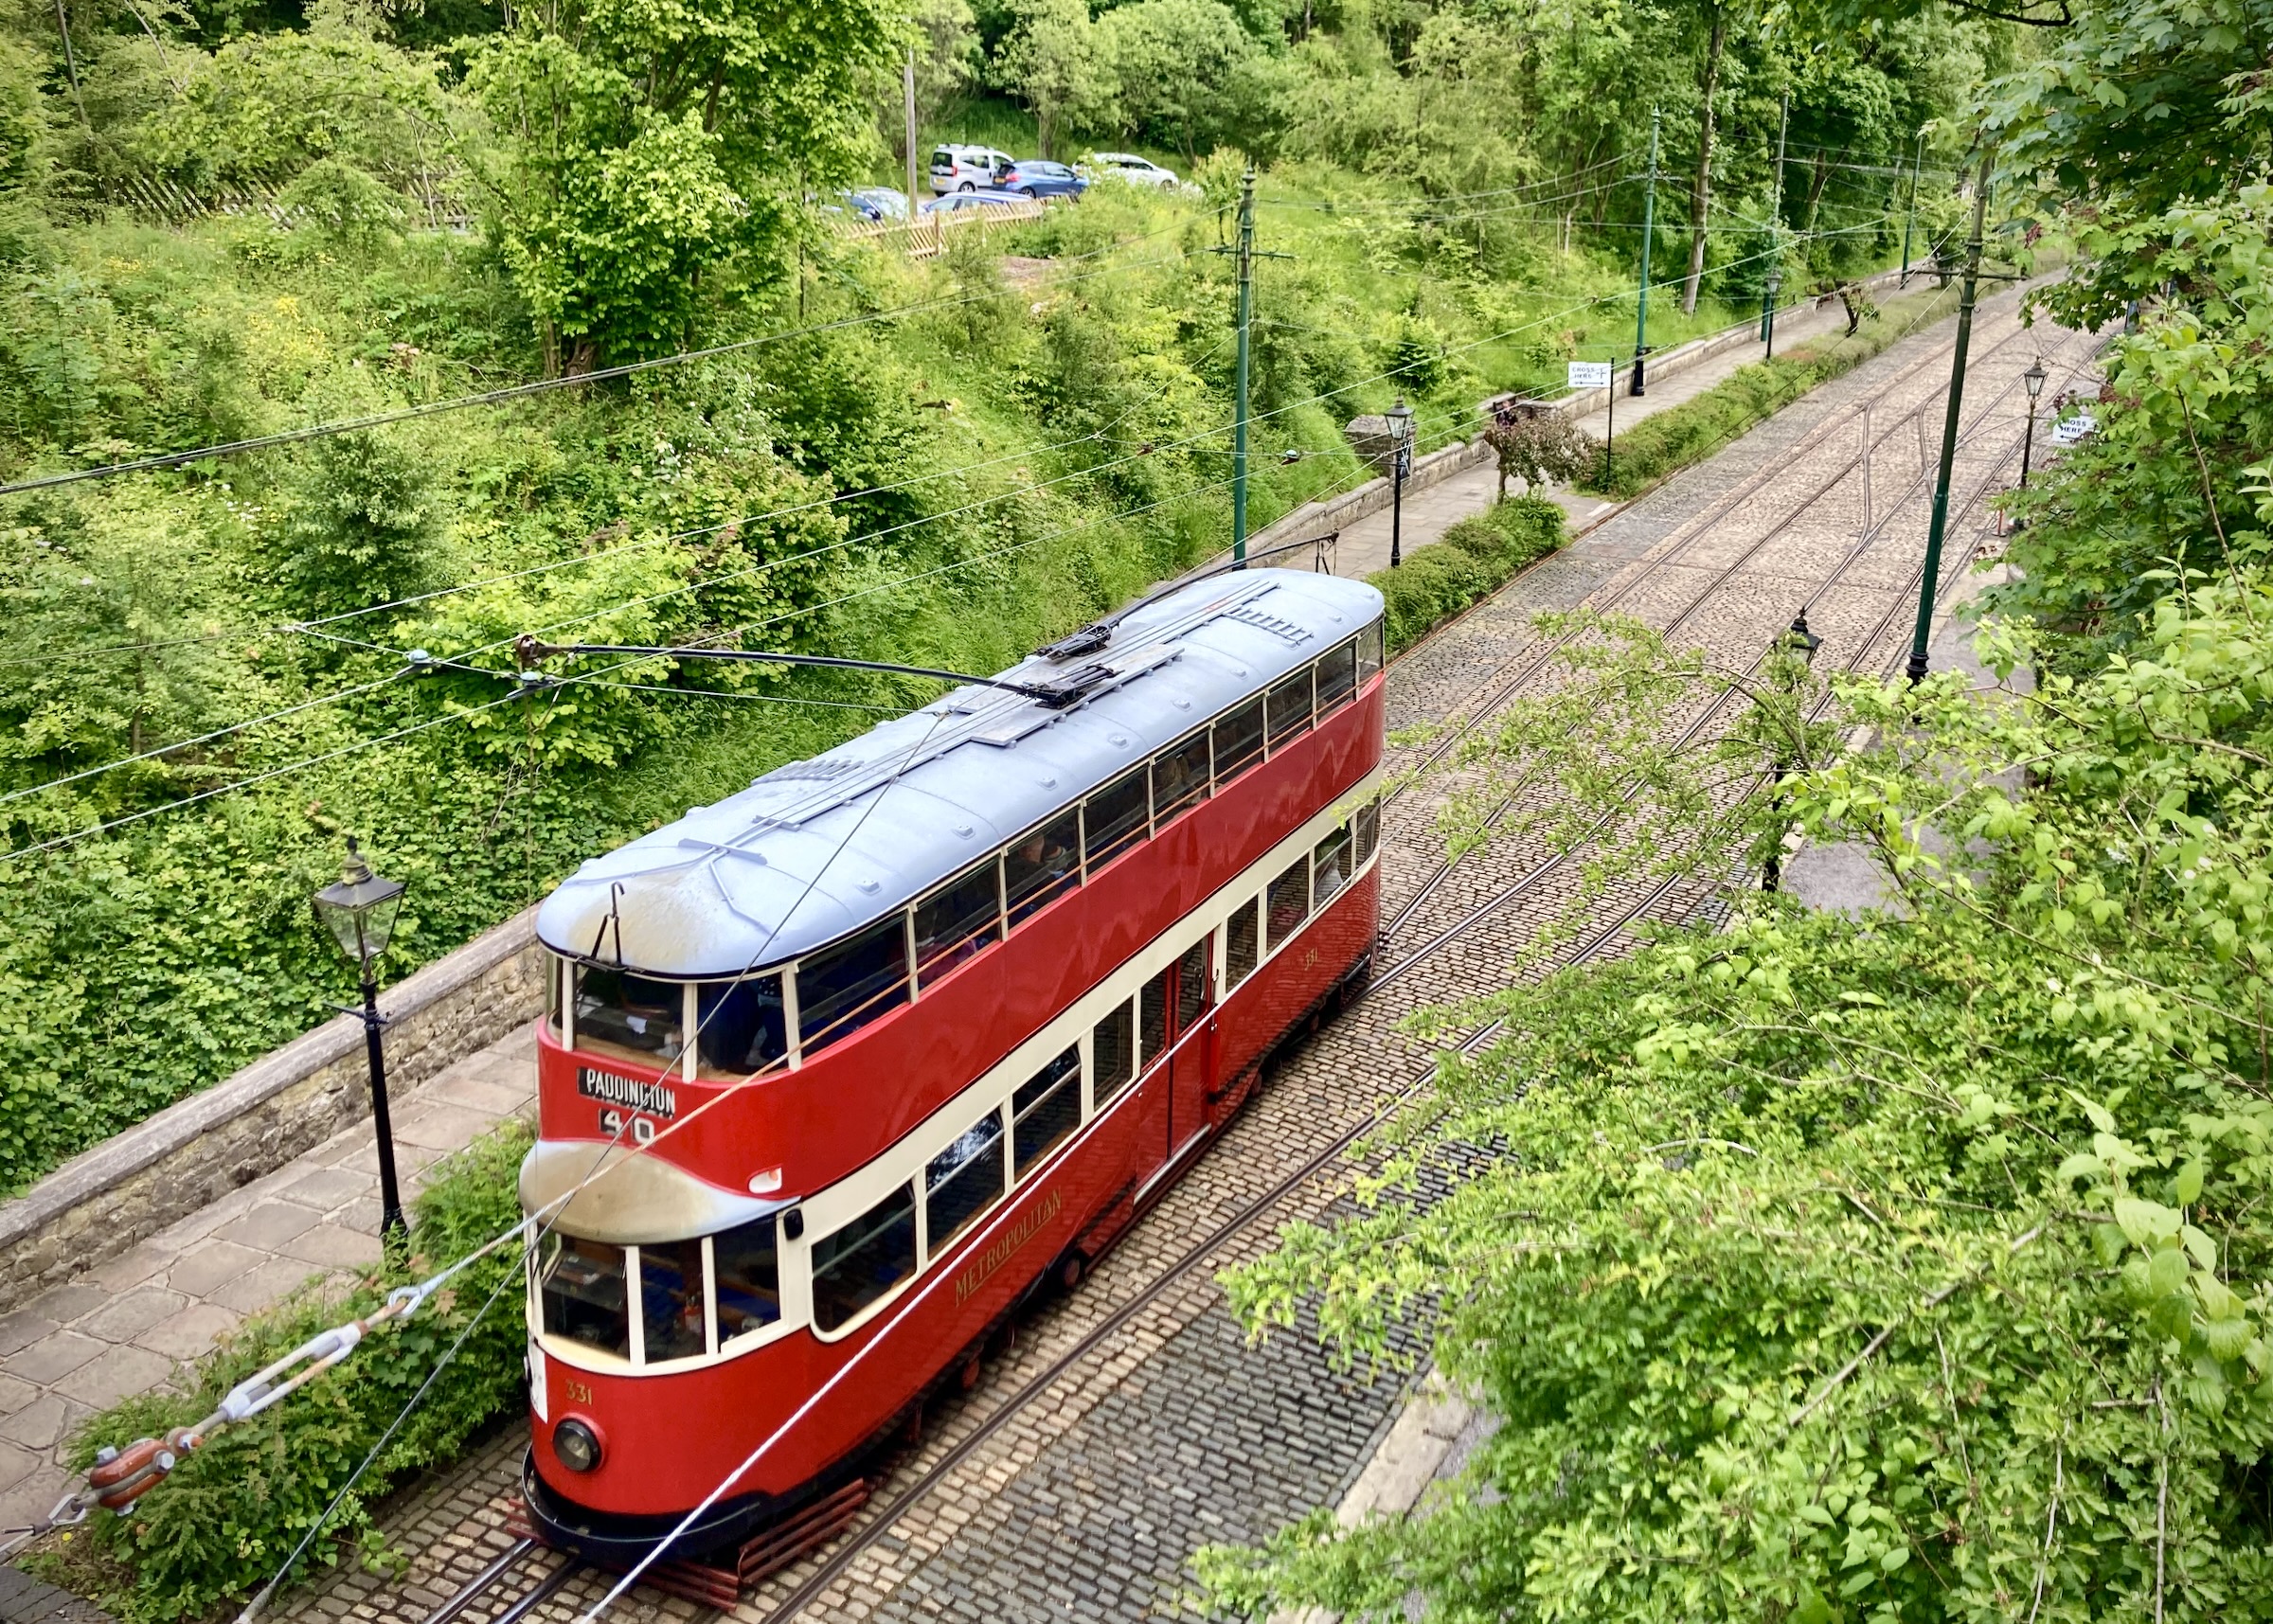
(1770, 284)
(908, 83)
(1649, 230)
(1238, 418)
(1910, 219)
(1930, 580)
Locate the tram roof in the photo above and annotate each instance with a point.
(816, 849)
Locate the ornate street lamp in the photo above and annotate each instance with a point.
(1401, 449)
(1767, 315)
(360, 911)
(2033, 380)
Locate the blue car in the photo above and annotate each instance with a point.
(956, 203)
(1039, 177)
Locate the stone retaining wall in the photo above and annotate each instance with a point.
(180, 1160)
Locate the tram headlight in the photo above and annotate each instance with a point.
(576, 1445)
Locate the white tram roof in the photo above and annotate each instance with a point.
(816, 849)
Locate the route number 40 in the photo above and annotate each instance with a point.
(611, 1123)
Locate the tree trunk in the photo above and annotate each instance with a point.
(1700, 191)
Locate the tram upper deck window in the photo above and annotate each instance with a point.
(582, 1294)
(956, 921)
(1042, 863)
(1369, 653)
(1237, 740)
(630, 1011)
(740, 1027)
(963, 1181)
(746, 1267)
(842, 988)
(1290, 707)
(670, 1299)
(1113, 819)
(864, 1260)
(1287, 902)
(1337, 677)
(1046, 1108)
(1180, 776)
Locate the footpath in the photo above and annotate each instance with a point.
(137, 1321)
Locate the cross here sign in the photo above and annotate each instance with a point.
(1590, 374)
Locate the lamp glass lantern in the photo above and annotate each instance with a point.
(2033, 378)
(359, 909)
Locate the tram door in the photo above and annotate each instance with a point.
(1176, 1015)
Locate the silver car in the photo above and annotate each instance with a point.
(956, 168)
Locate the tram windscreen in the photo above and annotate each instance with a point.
(740, 1029)
(747, 1267)
(630, 1011)
(581, 1288)
(670, 1299)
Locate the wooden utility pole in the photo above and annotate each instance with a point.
(909, 85)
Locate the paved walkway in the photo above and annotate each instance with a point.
(140, 1320)
(1364, 547)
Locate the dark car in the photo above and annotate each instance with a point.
(1039, 177)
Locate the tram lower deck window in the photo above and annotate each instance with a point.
(1365, 827)
(670, 1299)
(1111, 1053)
(1330, 866)
(583, 1293)
(1046, 1109)
(746, 1269)
(963, 1181)
(630, 1011)
(1241, 944)
(1287, 902)
(864, 1260)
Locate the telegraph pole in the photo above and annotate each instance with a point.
(1238, 424)
(1770, 284)
(1649, 230)
(1929, 581)
(909, 85)
(1910, 219)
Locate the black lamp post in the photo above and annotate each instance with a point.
(359, 911)
(2033, 379)
(1401, 443)
(1768, 314)
(1803, 642)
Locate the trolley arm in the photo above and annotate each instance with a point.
(530, 652)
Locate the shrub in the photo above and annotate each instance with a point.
(1476, 556)
(231, 1513)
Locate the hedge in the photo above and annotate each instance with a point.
(1473, 560)
(232, 1512)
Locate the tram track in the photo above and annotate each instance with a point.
(881, 1524)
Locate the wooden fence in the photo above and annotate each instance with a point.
(926, 235)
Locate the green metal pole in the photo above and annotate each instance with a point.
(1649, 230)
(1767, 287)
(1239, 428)
(1910, 219)
(1929, 582)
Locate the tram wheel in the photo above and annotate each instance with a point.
(968, 1376)
(1071, 1268)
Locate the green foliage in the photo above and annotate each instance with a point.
(360, 523)
(1905, 1267)
(225, 1520)
(1472, 558)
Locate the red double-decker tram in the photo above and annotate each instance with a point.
(838, 1071)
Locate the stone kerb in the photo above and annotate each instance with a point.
(197, 1150)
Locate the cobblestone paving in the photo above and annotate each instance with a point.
(1089, 1498)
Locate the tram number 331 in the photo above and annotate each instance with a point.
(611, 1123)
